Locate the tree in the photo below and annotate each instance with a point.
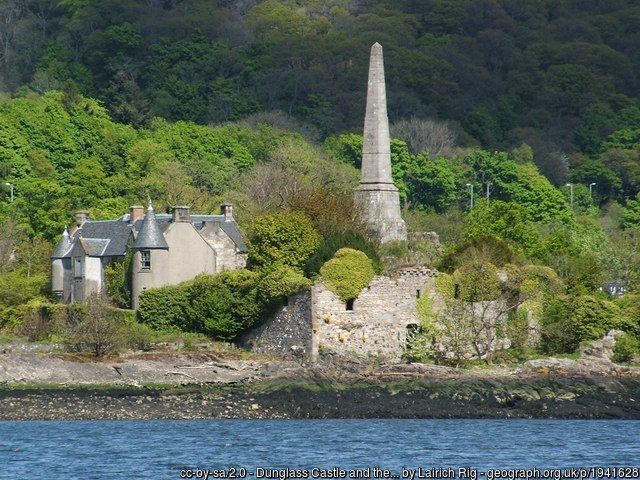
(426, 135)
(286, 237)
(347, 273)
(97, 330)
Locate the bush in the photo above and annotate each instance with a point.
(117, 278)
(625, 348)
(166, 308)
(221, 306)
(347, 273)
(477, 282)
(97, 331)
(331, 244)
(478, 249)
(567, 321)
(280, 282)
(282, 237)
(224, 305)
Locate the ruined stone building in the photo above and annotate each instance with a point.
(166, 249)
(375, 324)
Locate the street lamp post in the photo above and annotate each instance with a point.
(570, 185)
(470, 185)
(10, 185)
(591, 185)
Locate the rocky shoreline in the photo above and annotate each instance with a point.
(207, 384)
(536, 397)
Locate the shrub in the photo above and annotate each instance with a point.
(478, 249)
(138, 336)
(98, 331)
(567, 321)
(279, 282)
(477, 282)
(282, 237)
(224, 305)
(347, 273)
(625, 348)
(166, 308)
(117, 278)
(331, 244)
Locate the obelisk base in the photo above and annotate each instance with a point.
(380, 209)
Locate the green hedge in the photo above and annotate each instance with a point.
(221, 306)
(166, 308)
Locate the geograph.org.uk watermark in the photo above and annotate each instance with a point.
(408, 473)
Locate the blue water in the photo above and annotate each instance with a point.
(162, 449)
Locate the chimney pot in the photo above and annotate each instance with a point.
(226, 209)
(81, 217)
(181, 214)
(135, 212)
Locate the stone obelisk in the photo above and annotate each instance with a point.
(377, 196)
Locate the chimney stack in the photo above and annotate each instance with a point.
(81, 217)
(135, 212)
(226, 209)
(181, 214)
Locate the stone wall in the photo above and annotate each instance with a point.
(288, 333)
(375, 325)
(317, 323)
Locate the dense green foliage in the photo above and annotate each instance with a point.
(553, 73)
(347, 273)
(221, 306)
(108, 103)
(282, 237)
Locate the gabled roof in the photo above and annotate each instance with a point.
(111, 238)
(117, 231)
(150, 235)
(94, 247)
(230, 228)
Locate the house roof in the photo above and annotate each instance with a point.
(63, 247)
(117, 231)
(150, 234)
(111, 238)
(95, 247)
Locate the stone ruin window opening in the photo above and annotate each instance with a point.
(456, 290)
(412, 331)
(349, 305)
(285, 302)
(418, 293)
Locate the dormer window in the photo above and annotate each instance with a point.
(145, 259)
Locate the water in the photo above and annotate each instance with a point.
(161, 449)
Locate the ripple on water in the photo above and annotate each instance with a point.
(129, 449)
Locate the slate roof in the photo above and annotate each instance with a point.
(230, 228)
(63, 247)
(150, 234)
(95, 247)
(117, 231)
(110, 238)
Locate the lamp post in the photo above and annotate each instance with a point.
(488, 191)
(591, 185)
(570, 185)
(470, 185)
(10, 185)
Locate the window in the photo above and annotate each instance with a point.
(145, 259)
(77, 266)
(418, 293)
(350, 304)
